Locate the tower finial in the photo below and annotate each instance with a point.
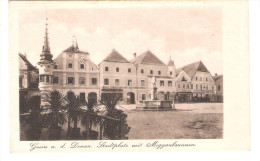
(46, 47)
(46, 53)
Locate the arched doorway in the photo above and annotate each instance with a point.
(130, 98)
(92, 97)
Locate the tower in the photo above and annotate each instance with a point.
(45, 68)
(171, 68)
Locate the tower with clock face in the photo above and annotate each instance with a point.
(45, 69)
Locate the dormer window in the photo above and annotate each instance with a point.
(106, 69)
(55, 66)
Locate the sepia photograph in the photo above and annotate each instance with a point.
(120, 73)
(128, 76)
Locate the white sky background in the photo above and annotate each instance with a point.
(185, 34)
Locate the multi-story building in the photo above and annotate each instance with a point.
(28, 81)
(73, 71)
(153, 74)
(195, 83)
(118, 75)
(219, 86)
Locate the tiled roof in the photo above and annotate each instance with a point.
(27, 61)
(147, 58)
(73, 49)
(192, 68)
(216, 77)
(114, 56)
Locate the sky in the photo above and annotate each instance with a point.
(186, 34)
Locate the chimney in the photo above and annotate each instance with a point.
(216, 74)
(134, 55)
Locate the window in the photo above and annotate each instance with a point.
(142, 83)
(169, 83)
(55, 66)
(81, 80)
(201, 79)
(188, 86)
(55, 80)
(179, 86)
(41, 78)
(106, 69)
(70, 65)
(162, 83)
(196, 86)
(183, 86)
(212, 88)
(21, 81)
(106, 81)
(117, 69)
(207, 87)
(142, 71)
(191, 86)
(170, 72)
(151, 71)
(159, 72)
(48, 79)
(196, 78)
(129, 82)
(200, 87)
(219, 88)
(183, 79)
(70, 80)
(206, 79)
(82, 66)
(143, 97)
(129, 70)
(117, 82)
(93, 81)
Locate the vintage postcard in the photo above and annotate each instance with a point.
(129, 76)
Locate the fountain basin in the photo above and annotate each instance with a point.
(157, 104)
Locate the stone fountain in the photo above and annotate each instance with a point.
(155, 103)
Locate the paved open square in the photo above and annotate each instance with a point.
(188, 121)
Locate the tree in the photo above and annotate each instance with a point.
(55, 115)
(74, 115)
(111, 127)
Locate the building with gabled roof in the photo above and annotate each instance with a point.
(28, 81)
(219, 86)
(74, 72)
(118, 75)
(194, 82)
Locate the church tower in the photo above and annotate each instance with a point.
(171, 68)
(45, 68)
